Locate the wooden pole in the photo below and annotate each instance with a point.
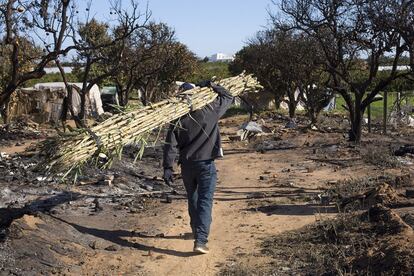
(385, 112)
(399, 103)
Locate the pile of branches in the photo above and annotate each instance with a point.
(68, 153)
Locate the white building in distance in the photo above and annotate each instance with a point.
(399, 68)
(220, 57)
(54, 70)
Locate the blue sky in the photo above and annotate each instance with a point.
(207, 26)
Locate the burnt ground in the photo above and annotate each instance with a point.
(29, 198)
(374, 242)
(372, 231)
(288, 202)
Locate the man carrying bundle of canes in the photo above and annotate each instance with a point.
(197, 138)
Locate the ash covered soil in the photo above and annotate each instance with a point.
(49, 225)
(286, 201)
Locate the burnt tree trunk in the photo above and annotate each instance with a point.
(313, 115)
(84, 89)
(126, 97)
(144, 94)
(5, 100)
(82, 112)
(4, 113)
(277, 102)
(356, 116)
(292, 109)
(292, 102)
(144, 99)
(123, 93)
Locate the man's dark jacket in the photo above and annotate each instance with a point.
(196, 135)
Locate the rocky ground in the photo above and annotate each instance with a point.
(288, 202)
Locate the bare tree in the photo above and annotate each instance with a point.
(399, 15)
(24, 23)
(39, 32)
(354, 36)
(100, 48)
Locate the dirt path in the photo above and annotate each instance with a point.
(235, 230)
(247, 209)
(244, 212)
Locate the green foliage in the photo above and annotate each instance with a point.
(377, 107)
(55, 77)
(96, 70)
(208, 70)
(360, 74)
(401, 84)
(260, 58)
(235, 110)
(285, 62)
(95, 51)
(94, 34)
(152, 61)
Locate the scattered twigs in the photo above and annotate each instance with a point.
(339, 162)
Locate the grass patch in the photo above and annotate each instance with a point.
(234, 111)
(377, 108)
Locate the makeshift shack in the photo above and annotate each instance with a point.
(44, 102)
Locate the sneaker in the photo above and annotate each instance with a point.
(201, 248)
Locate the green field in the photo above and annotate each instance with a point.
(377, 108)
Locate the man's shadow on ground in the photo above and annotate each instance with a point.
(116, 236)
(7, 215)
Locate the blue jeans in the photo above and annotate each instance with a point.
(200, 179)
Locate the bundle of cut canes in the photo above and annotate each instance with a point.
(67, 153)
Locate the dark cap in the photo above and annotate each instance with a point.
(186, 86)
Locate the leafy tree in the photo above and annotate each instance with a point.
(153, 60)
(316, 98)
(174, 62)
(286, 63)
(255, 58)
(53, 77)
(208, 70)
